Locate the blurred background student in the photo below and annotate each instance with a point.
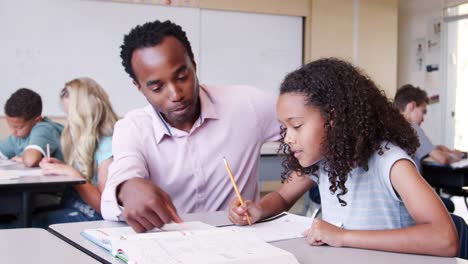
(30, 133)
(86, 142)
(412, 102)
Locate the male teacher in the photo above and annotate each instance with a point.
(168, 156)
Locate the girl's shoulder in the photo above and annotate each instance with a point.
(389, 151)
(383, 160)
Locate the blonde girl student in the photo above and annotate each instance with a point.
(86, 144)
(341, 132)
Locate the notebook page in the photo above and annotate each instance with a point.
(286, 227)
(203, 246)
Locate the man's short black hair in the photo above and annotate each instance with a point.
(409, 93)
(148, 35)
(24, 103)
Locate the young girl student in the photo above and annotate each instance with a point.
(86, 143)
(340, 132)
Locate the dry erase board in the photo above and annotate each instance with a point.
(46, 43)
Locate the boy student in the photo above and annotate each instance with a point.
(30, 132)
(412, 102)
(168, 156)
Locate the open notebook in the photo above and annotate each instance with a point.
(189, 242)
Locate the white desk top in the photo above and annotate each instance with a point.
(34, 245)
(299, 247)
(28, 176)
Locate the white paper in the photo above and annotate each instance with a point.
(286, 227)
(459, 164)
(220, 245)
(7, 175)
(104, 237)
(6, 163)
(14, 174)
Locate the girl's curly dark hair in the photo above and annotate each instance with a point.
(358, 119)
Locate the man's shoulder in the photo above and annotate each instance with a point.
(235, 94)
(230, 89)
(136, 117)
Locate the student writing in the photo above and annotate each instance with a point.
(412, 102)
(86, 142)
(30, 131)
(341, 132)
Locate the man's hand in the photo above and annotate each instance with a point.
(146, 206)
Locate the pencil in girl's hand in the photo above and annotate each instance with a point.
(48, 151)
(239, 196)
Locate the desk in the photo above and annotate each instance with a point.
(30, 184)
(304, 252)
(444, 176)
(34, 245)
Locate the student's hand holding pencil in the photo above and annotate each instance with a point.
(238, 212)
(50, 160)
(52, 166)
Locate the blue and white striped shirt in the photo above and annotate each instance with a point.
(372, 203)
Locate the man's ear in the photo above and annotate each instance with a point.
(137, 85)
(410, 106)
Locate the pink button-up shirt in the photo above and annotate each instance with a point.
(235, 121)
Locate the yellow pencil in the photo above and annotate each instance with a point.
(239, 196)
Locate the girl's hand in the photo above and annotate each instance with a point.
(50, 160)
(238, 213)
(59, 169)
(322, 232)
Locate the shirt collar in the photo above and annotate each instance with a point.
(162, 128)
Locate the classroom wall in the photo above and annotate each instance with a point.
(361, 31)
(341, 28)
(377, 42)
(415, 17)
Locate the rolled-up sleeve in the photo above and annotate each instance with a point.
(129, 162)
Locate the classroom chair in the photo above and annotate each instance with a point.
(312, 201)
(462, 230)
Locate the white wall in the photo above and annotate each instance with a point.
(414, 22)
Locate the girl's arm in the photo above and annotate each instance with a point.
(273, 203)
(92, 194)
(103, 171)
(433, 234)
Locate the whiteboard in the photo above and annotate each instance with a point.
(49, 42)
(248, 48)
